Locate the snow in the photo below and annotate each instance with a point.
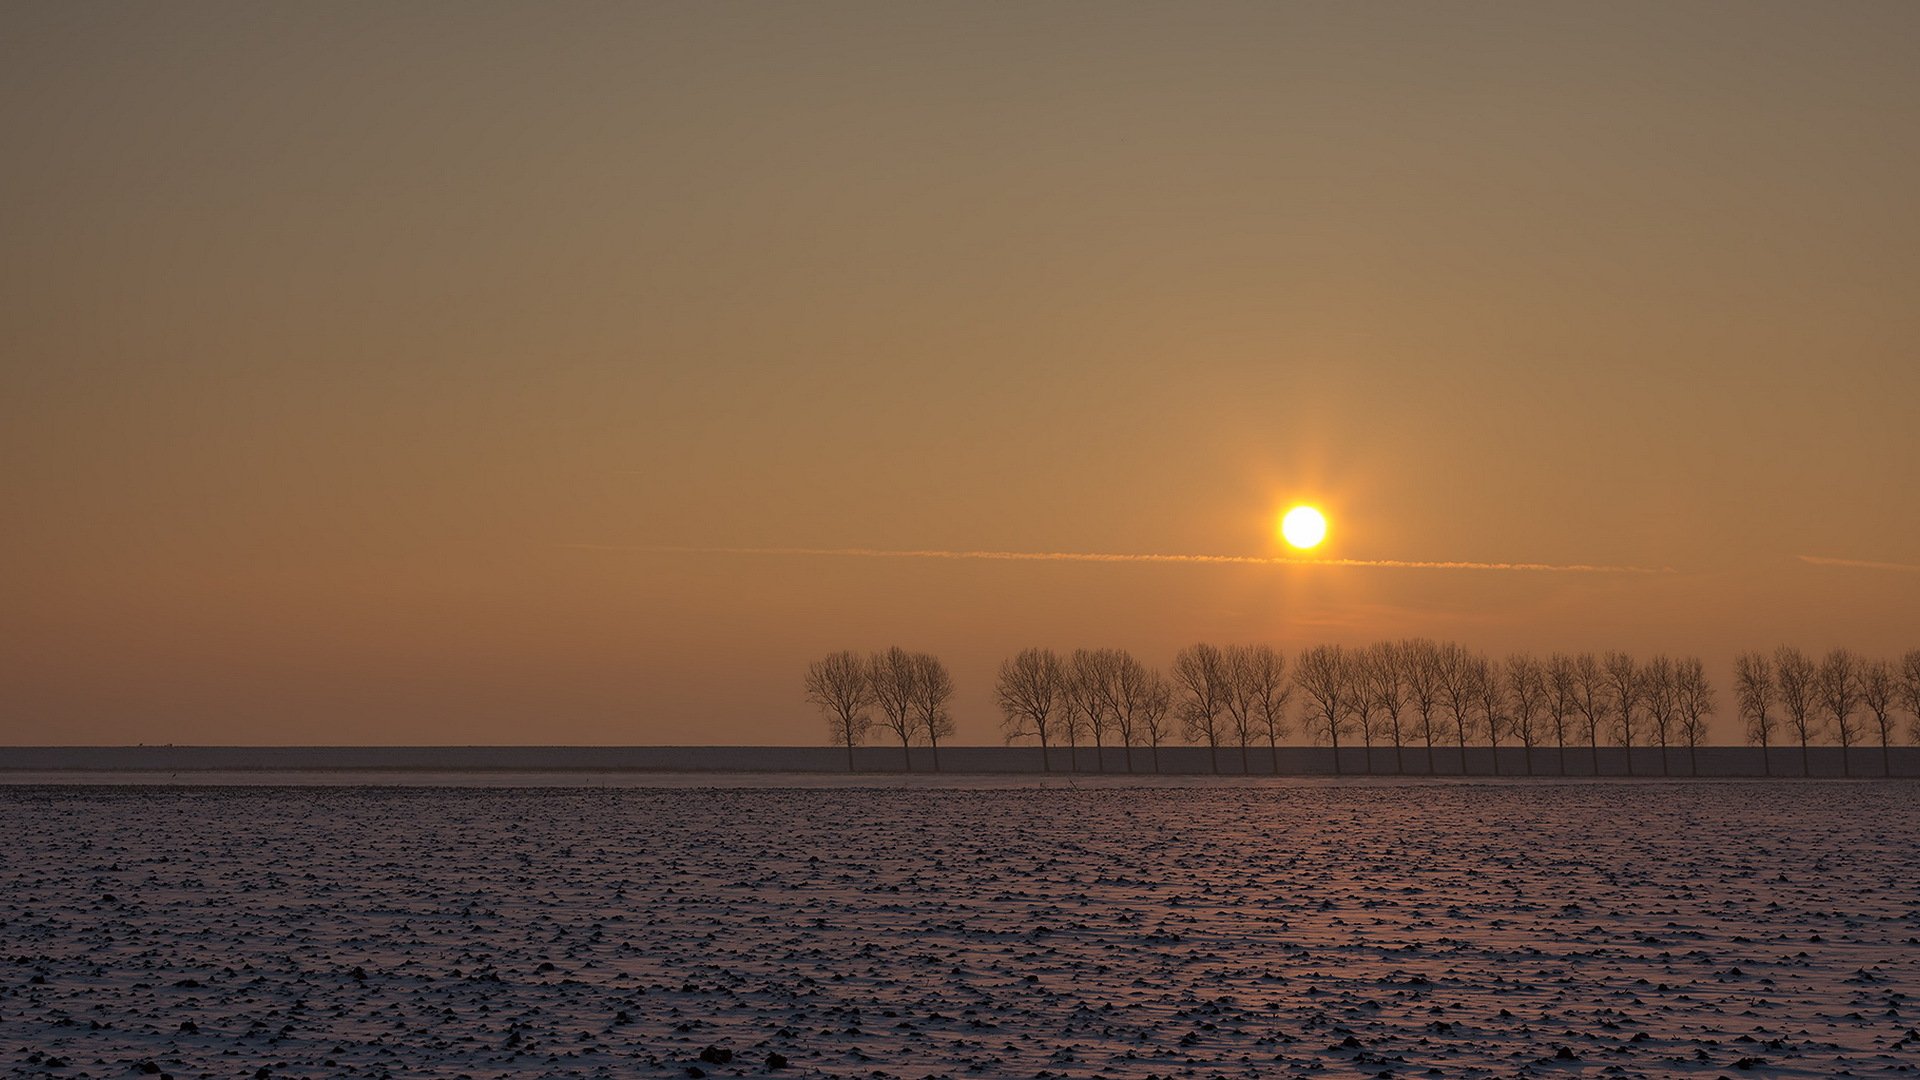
(989, 927)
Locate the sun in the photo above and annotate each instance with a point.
(1304, 527)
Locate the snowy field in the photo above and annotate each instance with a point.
(1423, 929)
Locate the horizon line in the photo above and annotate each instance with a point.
(1122, 557)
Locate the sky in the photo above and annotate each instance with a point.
(443, 373)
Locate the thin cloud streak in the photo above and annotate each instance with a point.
(1859, 564)
(1108, 557)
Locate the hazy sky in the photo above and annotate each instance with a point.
(346, 346)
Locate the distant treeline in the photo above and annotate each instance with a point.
(1405, 695)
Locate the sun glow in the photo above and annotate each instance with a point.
(1303, 527)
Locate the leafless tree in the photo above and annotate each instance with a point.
(1796, 680)
(1753, 692)
(1386, 692)
(1879, 688)
(1125, 690)
(1526, 701)
(1658, 691)
(1422, 669)
(1200, 673)
(1029, 696)
(1910, 692)
(1456, 672)
(1324, 674)
(933, 690)
(1563, 701)
(1839, 688)
(1490, 702)
(1242, 719)
(894, 674)
(1156, 713)
(839, 686)
(1083, 694)
(1694, 698)
(1269, 691)
(1624, 695)
(1590, 697)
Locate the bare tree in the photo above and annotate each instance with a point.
(1242, 720)
(933, 690)
(1084, 696)
(1658, 690)
(1124, 691)
(1910, 692)
(1200, 672)
(1563, 701)
(1590, 697)
(1029, 696)
(1422, 669)
(894, 675)
(839, 686)
(1156, 712)
(1623, 694)
(1269, 691)
(1490, 702)
(1796, 680)
(1753, 692)
(1386, 691)
(1456, 672)
(1526, 701)
(1879, 687)
(1325, 674)
(1694, 698)
(1839, 688)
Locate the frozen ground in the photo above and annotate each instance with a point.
(1396, 930)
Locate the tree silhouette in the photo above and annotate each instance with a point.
(1386, 692)
(1657, 690)
(1200, 672)
(1753, 693)
(1879, 688)
(894, 675)
(1796, 680)
(1156, 712)
(1590, 697)
(1838, 685)
(1526, 701)
(1325, 674)
(1029, 695)
(1456, 672)
(1693, 695)
(1910, 692)
(1242, 719)
(1624, 695)
(933, 689)
(1084, 696)
(840, 687)
(1563, 701)
(1490, 701)
(1269, 691)
(1422, 669)
(1123, 687)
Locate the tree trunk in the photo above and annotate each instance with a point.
(1594, 738)
(1213, 753)
(1046, 761)
(1127, 748)
(906, 752)
(1333, 732)
(1693, 759)
(1099, 752)
(1886, 756)
(1804, 770)
(1666, 768)
(936, 751)
(849, 755)
(1429, 751)
(1245, 769)
(1463, 751)
(1273, 747)
(1156, 759)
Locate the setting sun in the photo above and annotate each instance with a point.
(1303, 527)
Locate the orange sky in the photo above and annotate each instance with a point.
(336, 336)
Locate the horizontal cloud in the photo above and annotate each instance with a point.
(1111, 557)
(1860, 564)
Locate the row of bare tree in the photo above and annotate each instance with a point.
(1408, 695)
(911, 690)
(1851, 698)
